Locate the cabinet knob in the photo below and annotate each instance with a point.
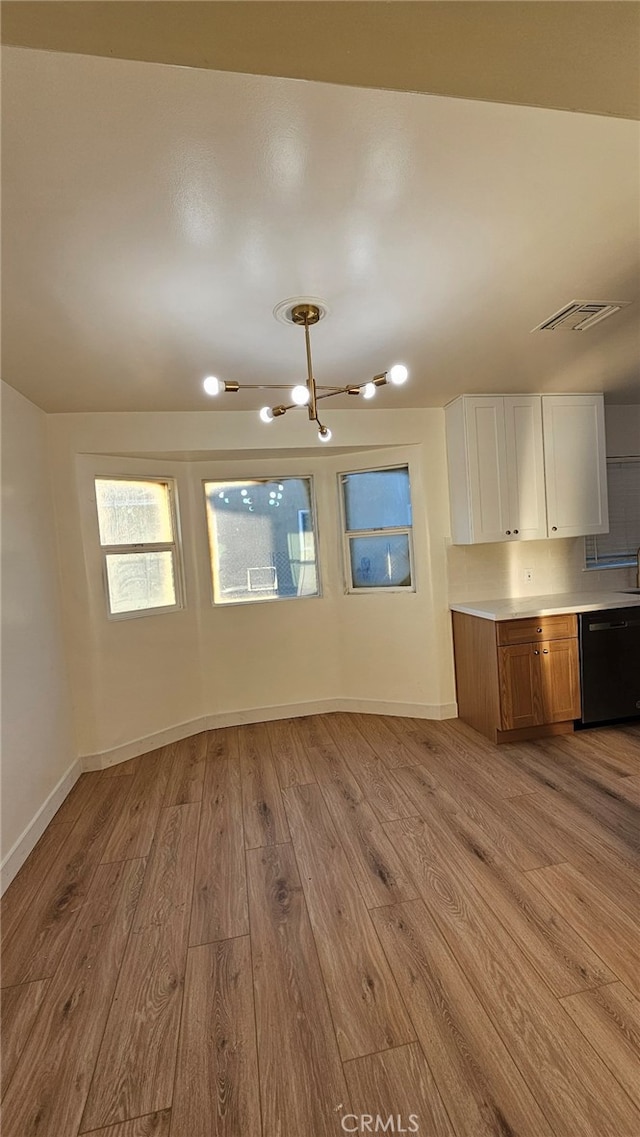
(538, 629)
(508, 532)
(515, 530)
(545, 651)
(554, 528)
(536, 652)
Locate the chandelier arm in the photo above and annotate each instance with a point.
(352, 389)
(264, 387)
(318, 386)
(330, 394)
(311, 383)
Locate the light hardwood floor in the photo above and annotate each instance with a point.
(265, 931)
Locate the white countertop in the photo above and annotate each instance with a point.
(515, 607)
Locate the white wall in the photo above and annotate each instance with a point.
(137, 678)
(486, 572)
(398, 649)
(623, 431)
(38, 747)
(131, 677)
(265, 654)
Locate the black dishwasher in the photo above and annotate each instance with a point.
(610, 664)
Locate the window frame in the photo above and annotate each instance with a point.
(262, 480)
(174, 547)
(625, 560)
(397, 530)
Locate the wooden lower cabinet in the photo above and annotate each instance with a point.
(512, 683)
(539, 683)
(560, 681)
(520, 687)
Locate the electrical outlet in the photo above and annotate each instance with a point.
(527, 575)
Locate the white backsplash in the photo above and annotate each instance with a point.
(492, 571)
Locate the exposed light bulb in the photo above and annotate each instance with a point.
(212, 385)
(324, 434)
(266, 414)
(300, 395)
(368, 391)
(398, 374)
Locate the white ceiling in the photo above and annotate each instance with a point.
(155, 215)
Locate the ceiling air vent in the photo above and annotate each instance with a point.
(580, 315)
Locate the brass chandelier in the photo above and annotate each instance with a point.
(305, 314)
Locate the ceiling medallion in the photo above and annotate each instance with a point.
(305, 312)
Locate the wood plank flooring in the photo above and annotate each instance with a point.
(292, 929)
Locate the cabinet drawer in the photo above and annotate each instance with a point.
(534, 629)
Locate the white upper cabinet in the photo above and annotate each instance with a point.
(496, 468)
(575, 465)
(524, 467)
(487, 463)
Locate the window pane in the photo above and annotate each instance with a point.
(140, 580)
(380, 562)
(377, 499)
(133, 512)
(262, 539)
(619, 545)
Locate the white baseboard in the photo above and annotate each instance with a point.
(30, 836)
(268, 714)
(127, 750)
(116, 754)
(400, 710)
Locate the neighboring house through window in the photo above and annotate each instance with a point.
(262, 539)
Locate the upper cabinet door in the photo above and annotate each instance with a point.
(575, 465)
(487, 458)
(525, 467)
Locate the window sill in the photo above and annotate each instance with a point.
(137, 612)
(619, 565)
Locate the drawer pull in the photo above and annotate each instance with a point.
(538, 629)
(515, 530)
(508, 532)
(545, 651)
(536, 652)
(554, 528)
